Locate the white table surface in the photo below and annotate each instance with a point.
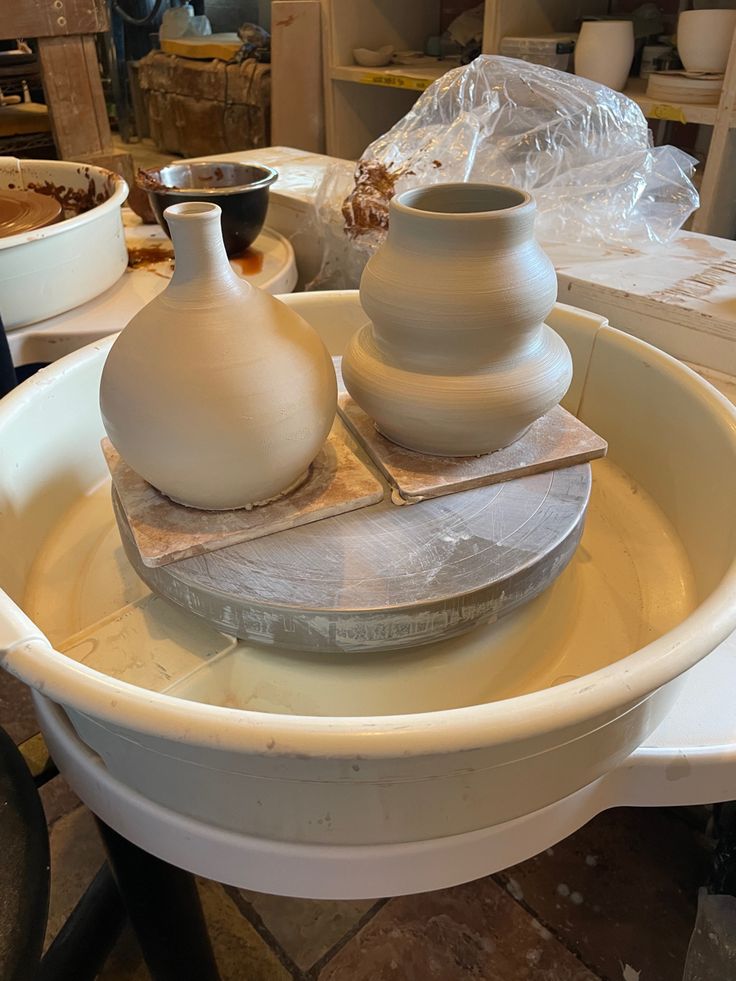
(680, 296)
(110, 312)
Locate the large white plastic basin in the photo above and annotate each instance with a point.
(411, 747)
(54, 269)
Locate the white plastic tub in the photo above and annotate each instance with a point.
(59, 267)
(409, 747)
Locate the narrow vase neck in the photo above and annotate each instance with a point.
(199, 250)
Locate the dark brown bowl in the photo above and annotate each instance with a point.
(241, 190)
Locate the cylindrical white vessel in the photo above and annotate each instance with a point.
(457, 360)
(704, 39)
(216, 393)
(50, 270)
(604, 52)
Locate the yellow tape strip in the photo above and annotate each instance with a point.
(396, 81)
(661, 110)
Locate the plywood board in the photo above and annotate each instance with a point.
(222, 46)
(297, 96)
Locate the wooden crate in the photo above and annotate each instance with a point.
(199, 107)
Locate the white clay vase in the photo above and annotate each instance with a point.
(456, 359)
(704, 39)
(216, 393)
(604, 52)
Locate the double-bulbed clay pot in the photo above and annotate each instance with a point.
(216, 393)
(457, 359)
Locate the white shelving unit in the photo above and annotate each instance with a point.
(361, 103)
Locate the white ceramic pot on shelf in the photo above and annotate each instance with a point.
(704, 39)
(216, 393)
(604, 52)
(457, 360)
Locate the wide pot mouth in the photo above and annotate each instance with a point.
(710, 14)
(469, 200)
(111, 185)
(206, 179)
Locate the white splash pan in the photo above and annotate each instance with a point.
(385, 750)
(54, 269)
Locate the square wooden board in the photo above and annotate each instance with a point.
(556, 440)
(165, 531)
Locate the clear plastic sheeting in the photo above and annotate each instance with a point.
(712, 952)
(583, 150)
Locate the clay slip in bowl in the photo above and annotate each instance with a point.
(241, 191)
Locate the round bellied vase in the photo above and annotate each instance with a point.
(456, 359)
(216, 393)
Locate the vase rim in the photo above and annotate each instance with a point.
(612, 22)
(518, 200)
(196, 210)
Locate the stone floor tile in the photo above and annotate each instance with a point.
(58, 799)
(76, 855)
(475, 931)
(125, 962)
(241, 953)
(621, 891)
(306, 928)
(17, 716)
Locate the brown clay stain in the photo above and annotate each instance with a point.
(700, 285)
(73, 200)
(147, 255)
(248, 263)
(286, 22)
(365, 209)
(702, 249)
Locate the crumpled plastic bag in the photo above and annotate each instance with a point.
(712, 952)
(583, 150)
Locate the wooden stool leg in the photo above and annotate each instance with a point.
(73, 88)
(164, 909)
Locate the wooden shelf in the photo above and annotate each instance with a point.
(362, 103)
(677, 112)
(415, 77)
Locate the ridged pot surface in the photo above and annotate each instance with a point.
(457, 360)
(216, 393)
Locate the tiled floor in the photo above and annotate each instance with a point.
(145, 153)
(614, 902)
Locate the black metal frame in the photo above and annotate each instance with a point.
(161, 901)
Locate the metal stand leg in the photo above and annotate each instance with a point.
(24, 867)
(165, 912)
(81, 947)
(723, 875)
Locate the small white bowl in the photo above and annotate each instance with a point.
(704, 39)
(373, 59)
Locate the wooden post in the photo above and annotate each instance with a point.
(297, 96)
(717, 212)
(65, 31)
(73, 88)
